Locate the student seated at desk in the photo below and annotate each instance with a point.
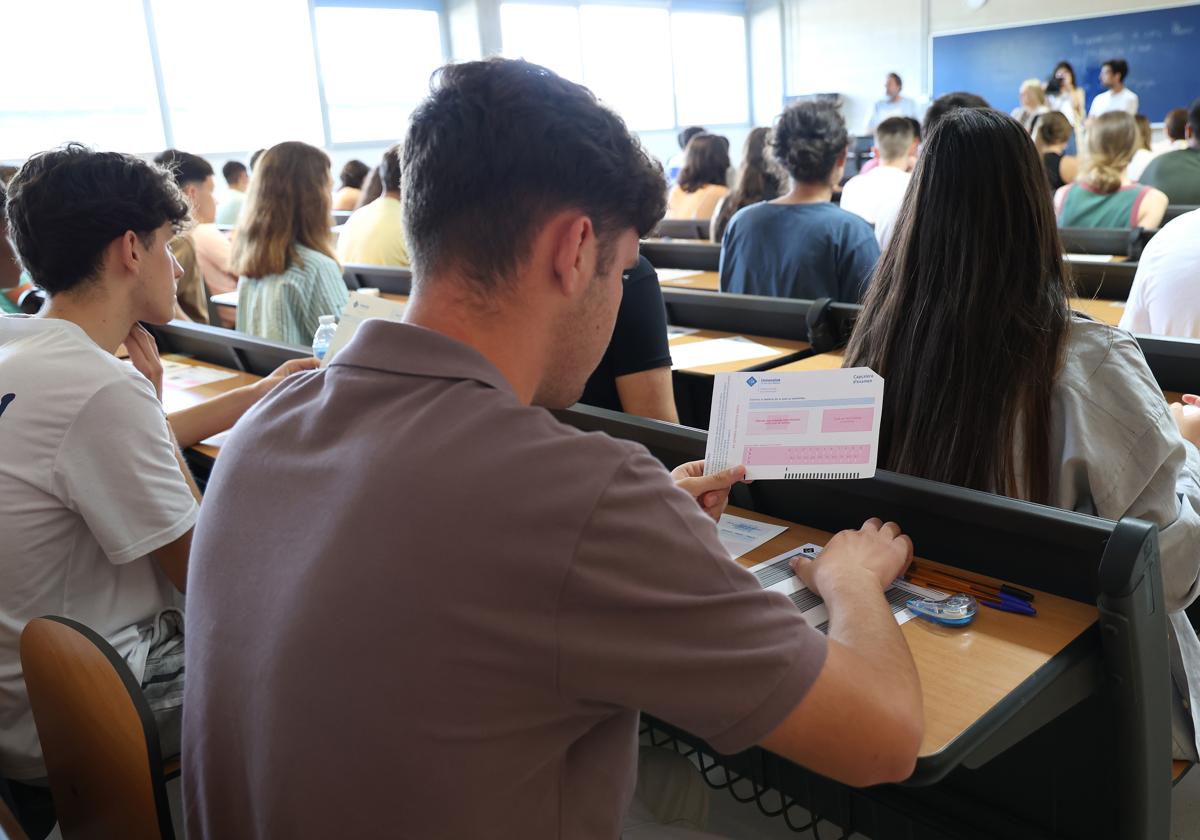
(703, 181)
(283, 251)
(884, 185)
(1177, 172)
(759, 178)
(1051, 135)
(237, 181)
(350, 185)
(634, 374)
(801, 245)
(96, 504)
(1104, 197)
(458, 645)
(1165, 296)
(997, 386)
(374, 234)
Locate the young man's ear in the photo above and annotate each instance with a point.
(129, 251)
(574, 252)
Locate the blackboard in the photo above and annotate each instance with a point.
(1162, 47)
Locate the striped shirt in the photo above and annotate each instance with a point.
(288, 307)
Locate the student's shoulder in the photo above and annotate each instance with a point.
(316, 262)
(1104, 370)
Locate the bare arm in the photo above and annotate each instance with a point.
(1154, 207)
(1068, 168)
(648, 393)
(862, 721)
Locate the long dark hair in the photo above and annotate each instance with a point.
(758, 179)
(966, 317)
(707, 162)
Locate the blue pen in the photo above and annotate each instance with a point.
(1008, 603)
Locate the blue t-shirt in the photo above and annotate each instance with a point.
(798, 251)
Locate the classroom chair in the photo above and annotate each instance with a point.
(97, 733)
(683, 229)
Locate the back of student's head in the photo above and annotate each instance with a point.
(1112, 139)
(67, 205)
(187, 168)
(808, 140)
(684, 137)
(943, 105)
(1145, 132)
(500, 147)
(707, 162)
(389, 169)
(1051, 129)
(288, 203)
(1175, 124)
(894, 138)
(916, 127)
(233, 172)
(966, 315)
(353, 174)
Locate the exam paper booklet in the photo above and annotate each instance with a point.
(802, 424)
(740, 535)
(776, 575)
(359, 308)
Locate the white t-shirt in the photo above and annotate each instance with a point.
(1165, 296)
(868, 194)
(89, 485)
(1126, 101)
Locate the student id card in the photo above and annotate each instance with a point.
(804, 424)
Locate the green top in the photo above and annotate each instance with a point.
(288, 307)
(1177, 174)
(1083, 207)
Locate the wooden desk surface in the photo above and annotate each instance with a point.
(821, 361)
(1105, 311)
(176, 399)
(709, 281)
(394, 298)
(964, 671)
(688, 243)
(782, 347)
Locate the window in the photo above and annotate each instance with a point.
(376, 64)
(238, 75)
(57, 89)
(627, 63)
(545, 35)
(656, 66)
(711, 83)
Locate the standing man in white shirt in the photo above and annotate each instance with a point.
(96, 503)
(1118, 97)
(1165, 296)
(892, 105)
(867, 194)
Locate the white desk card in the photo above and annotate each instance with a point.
(740, 535)
(776, 575)
(359, 308)
(803, 424)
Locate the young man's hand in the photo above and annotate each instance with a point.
(1187, 417)
(284, 371)
(143, 354)
(711, 492)
(879, 550)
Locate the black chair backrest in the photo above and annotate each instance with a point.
(339, 217)
(228, 348)
(1104, 280)
(1175, 362)
(1117, 242)
(766, 316)
(683, 229)
(697, 256)
(1174, 211)
(394, 280)
(32, 300)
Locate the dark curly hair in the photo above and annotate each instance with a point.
(66, 205)
(707, 162)
(353, 174)
(502, 145)
(808, 139)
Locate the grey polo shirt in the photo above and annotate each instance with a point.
(418, 608)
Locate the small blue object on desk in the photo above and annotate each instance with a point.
(954, 611)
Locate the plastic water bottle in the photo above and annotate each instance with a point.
(324, 336)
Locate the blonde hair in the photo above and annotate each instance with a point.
(1035, 85)
(1112, 140)
(288, 204)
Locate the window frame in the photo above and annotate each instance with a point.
(739, 8)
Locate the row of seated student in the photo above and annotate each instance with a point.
(101, 517)
(441, 417)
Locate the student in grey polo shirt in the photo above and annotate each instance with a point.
(422, 607)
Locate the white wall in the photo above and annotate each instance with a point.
(850, 46)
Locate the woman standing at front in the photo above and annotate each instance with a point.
(283, 253)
